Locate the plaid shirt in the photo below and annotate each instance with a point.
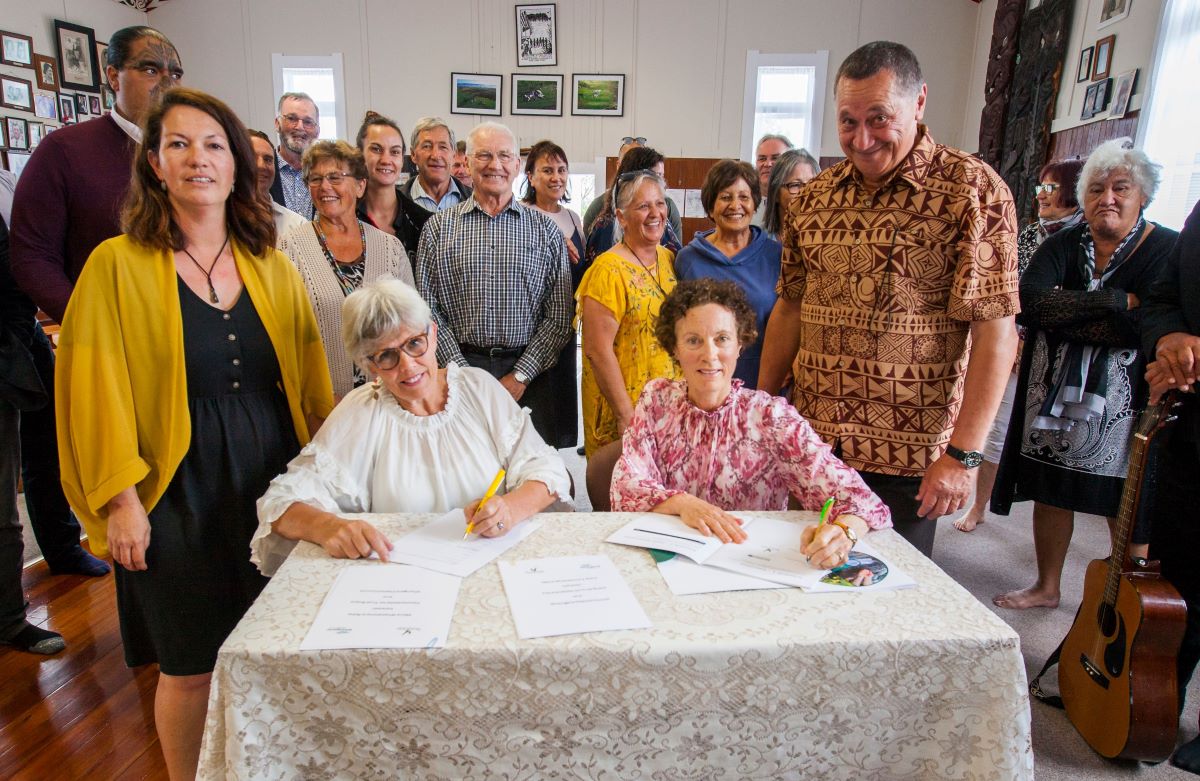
(498, 281)
(295, 192)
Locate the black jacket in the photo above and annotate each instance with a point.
(409, 221)
(1173, 303)
(19, 381)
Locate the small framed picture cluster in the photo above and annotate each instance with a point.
(1095, 66)
(538, 94)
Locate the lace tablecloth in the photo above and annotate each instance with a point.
(914, 684)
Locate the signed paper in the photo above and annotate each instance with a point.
(684, 577)
(439, 545)
(370, 606)
(569, 595)
(666, 532)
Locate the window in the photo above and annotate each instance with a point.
(321, 78)
(1171, 112)
(785, 95)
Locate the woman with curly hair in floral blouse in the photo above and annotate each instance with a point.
(704, 447)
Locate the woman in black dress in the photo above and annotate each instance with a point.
(1080, 386)
(191, 372)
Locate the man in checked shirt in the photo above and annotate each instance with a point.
(495, 274)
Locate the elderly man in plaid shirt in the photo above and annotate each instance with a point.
(495, 274)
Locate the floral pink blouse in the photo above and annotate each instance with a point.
(744, 455)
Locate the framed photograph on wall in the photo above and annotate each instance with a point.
(47, 72)
(476, 93)
(45, 105)
(94, 105)
(1089, 97)
(76, 55)
(101, 58)
(598, 94)
(1112, 11)
(1122, 92)
(16, 93)
(1085, 65)
(537, 93)
(1103, 61)
(66, 109)
(536, 39)
(1103, 94)
(16, 49)
(108, 98)
(16, 161)
(17, 130)
(81, 105)
(3, 136)
(37, 131)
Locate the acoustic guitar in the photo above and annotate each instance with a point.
(1117, 670)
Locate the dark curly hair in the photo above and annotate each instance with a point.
(725, 174)
(692, 293)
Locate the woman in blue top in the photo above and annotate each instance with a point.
(736, 250)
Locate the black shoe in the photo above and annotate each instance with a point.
(80, 562)
(1187, 756)
(36, 641)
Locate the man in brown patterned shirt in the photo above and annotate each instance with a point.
(898, 293)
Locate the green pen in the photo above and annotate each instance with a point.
(825, 508)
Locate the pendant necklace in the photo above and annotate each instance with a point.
(212, 291)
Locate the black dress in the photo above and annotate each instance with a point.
(199, 580)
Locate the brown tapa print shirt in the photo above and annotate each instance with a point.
(890, 283)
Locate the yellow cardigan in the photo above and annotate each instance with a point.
(121, 383)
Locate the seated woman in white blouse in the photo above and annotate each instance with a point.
(418, 439)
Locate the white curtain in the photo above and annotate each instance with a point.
(1169, 130)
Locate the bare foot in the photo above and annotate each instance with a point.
(967, 523)
(1026, 598)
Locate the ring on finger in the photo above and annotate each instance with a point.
(500, 526)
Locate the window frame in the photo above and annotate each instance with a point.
(755, 59)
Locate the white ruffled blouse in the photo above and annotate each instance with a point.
(373, 456)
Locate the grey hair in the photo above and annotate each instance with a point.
(490, 127)
(775, 137)
(782, 171)
(430, 123)
(1114, 155)
(870, 58)
(298, 96)
(376, 311)
(623, 193)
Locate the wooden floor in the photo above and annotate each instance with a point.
(81, 713)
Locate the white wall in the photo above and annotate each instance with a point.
(684, 60)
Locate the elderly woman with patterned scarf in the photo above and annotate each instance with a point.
(1080, 385)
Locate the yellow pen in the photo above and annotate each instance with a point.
(491, 491)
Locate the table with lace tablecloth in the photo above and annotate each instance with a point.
(776, 684)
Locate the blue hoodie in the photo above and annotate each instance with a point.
(755, 270)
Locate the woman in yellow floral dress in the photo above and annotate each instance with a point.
(619, 298)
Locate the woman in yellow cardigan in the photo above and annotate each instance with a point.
(190, 371)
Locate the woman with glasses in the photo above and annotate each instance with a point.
(1057, 208)
(419, 439)
(337, 253)
(735, 250)
(190, 371)
(618, 302)
(599, 229)
(794, 169)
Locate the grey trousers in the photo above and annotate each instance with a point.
(12, 546)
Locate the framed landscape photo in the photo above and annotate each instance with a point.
(66, 109)
(81, 104)
(1085, 64)
(17, 130)
(16, 49)
(598, 94)
(1122, 92)
(1112, 11)
(45, 105)
(16, 93)
(47, 72)
(1103, 62)
(537, 93)
(77, 66)
(476, 93)
(536, 40)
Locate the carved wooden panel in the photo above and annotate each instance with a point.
(1042, 45)
(1002, 61)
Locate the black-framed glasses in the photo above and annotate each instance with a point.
(794, 188)
(335, 178)
(415, 347)
(633, 140)
(1045, 187)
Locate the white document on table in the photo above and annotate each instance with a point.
(439, 545)
(666, 532)
(771, 551)
(370, 606)
(569, 595)
(685, 577)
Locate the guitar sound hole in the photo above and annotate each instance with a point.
(1106, 618)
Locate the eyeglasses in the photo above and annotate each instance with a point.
(334, 179)
(390, 358)
(296, 119)
(1045, 187)
(485, 158)
(794, 188)
(633, 140)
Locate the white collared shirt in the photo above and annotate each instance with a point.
(131, 129)
(452, 197)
